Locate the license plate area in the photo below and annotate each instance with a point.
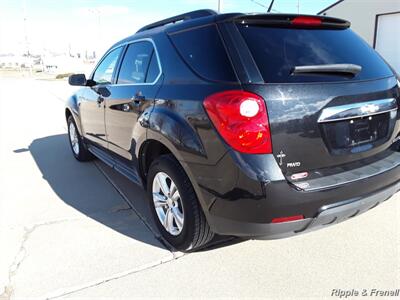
(357, 132)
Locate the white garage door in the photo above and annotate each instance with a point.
(388, 39)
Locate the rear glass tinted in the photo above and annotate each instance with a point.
(154, 70)
(135, 63)
(278, 50)
(203, 51)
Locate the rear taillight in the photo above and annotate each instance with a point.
(241, 119)
(306, 21)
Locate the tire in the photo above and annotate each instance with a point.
(194, 231)
(79, 148)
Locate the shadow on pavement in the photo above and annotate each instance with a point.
(83, 187)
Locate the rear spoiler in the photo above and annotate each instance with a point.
(292, 20)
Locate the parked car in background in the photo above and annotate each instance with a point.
(262, 126)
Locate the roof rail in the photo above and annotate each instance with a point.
(186, 16)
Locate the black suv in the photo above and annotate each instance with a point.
(254, 125)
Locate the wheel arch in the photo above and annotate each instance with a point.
(71, 109)
(147, 152)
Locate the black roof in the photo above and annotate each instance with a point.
(205, 15)
(183, 17)
(201, 17)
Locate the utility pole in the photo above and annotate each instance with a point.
(26, 40)
(298, 7)
(25, 27)
(97, 13)
(219, 6)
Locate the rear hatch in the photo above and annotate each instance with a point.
(331, 99)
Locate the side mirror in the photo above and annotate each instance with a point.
(77, 79)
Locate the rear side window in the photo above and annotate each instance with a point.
(277, 51)
(135, 64)
(203, 51)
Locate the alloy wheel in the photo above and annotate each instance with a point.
(73, 137)
(168, 203)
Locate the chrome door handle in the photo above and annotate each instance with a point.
(126, 107)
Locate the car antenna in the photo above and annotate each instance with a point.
(270, 6)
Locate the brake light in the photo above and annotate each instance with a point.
(306, 21)
(288, 219)
(241, 119)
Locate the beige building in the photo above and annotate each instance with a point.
(377, 21)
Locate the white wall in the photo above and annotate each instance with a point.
(388, 39)
(362, 14)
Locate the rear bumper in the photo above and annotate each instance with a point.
(327, 215)
(243, 194)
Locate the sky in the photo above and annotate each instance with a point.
(79, 25)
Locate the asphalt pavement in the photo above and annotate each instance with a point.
(80, 230)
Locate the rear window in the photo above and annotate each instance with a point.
(203, 51)
(278, 50)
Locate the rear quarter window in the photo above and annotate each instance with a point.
(203, 51)
(135, 63)
(277, 51)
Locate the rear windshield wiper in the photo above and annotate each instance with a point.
(333, 69)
